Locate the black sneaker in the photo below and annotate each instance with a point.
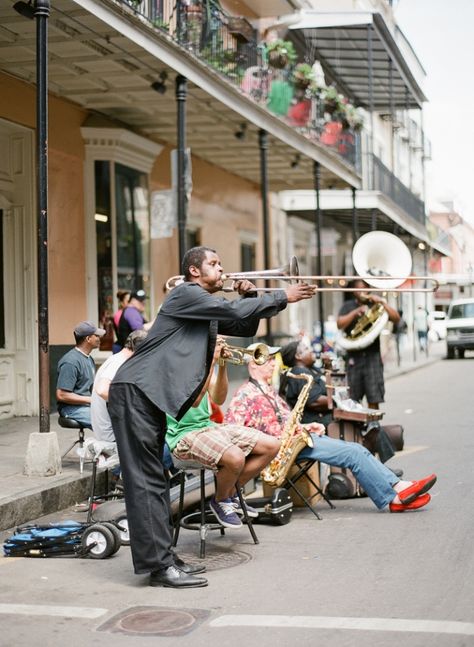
(225, 514)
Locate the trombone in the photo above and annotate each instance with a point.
(378, 282)
(380, 259)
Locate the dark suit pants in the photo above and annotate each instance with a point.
(140, 428)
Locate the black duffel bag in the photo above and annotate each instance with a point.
(395, 433)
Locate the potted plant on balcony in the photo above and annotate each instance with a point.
(332, 100)
(302, 76)
(354, 117)
(281, 54)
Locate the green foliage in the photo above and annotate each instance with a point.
(281, 53)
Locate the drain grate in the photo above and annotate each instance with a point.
(155, 621)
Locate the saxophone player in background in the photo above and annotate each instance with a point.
(256, 404)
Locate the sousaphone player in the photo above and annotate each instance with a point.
(364, 365)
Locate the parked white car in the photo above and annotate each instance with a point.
(437, 325)
(460, 327)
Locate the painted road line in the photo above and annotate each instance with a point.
(364, 624)
(44, 610)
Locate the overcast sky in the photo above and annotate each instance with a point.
(442, 34)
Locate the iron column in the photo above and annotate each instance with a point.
(42, 8)
(319, 265)
(263, 146)
(181, 95)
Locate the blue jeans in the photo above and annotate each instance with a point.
(79, 413)
(376, 479)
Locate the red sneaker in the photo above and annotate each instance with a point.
(419, 502)
(410, 493)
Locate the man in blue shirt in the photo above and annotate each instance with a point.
(76, 371)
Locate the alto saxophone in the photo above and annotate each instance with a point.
(291, 443)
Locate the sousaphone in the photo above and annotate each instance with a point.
(376, 254)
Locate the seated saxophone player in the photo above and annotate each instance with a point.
(300, 358)
(235, 453)
(257, 405)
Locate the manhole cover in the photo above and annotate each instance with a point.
(155, 621)
(215, 559)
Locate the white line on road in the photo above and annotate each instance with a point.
(364, 624)
(43, 610)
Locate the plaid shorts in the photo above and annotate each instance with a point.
(207, 445)
(365, 377)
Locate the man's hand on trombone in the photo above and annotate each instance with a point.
(300, 291)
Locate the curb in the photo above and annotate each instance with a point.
(410, 369)
(35, 504)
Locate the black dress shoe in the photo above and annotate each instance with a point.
(175, 578)
(191, 569)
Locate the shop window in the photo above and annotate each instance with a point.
(118, 166)
(122, 237)
(247, 257)
(193, 238)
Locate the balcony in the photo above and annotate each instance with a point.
(386, 182)
(229, 45)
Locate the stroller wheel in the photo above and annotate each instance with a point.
(122, 524)
(98, 541)
(116, 534)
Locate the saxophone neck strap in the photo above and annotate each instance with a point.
(272, 401)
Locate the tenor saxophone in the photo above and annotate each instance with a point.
(291, 443)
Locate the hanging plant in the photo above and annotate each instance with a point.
(332, 100)
(302, 76)
(281, 54)
(354, 117)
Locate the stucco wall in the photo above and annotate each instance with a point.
(67, 299)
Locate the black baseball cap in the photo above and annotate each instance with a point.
(140, 295)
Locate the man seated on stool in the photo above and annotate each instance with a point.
(257, 405)
(236, 453)
(76, 370)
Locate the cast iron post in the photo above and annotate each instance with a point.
(181, 95)
(42, 8)
(263, 145)
(319, 265)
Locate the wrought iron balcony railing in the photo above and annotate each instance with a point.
(229, 45)
(386, 182)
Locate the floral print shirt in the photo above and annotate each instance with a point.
(265, 411)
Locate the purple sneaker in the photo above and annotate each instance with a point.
(224, 512)
(252, 513)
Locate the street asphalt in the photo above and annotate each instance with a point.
(360, 577)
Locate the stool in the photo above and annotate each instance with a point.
(201, 520)
(70, 423)
(302, 468)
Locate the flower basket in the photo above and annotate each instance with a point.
(302, 76)
(281, 54)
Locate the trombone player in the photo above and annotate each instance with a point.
(364, 366)
(166, 374)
